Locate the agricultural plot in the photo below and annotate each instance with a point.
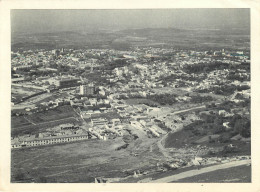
(19, 122)
(37, 122)
(51, 115)
(37, 128)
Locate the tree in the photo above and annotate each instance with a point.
(205, 69)
(238, 125)
(218, 121)
(246, 130)
(234, 120)
(243, 127)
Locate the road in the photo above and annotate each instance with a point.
(162, 148)
(159, 143)
(29, 120)
(16, 107)
(195, 172)
(189, 109)
(168, 110)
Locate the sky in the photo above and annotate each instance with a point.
(41, 21)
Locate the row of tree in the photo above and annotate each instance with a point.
(163, 99)
(205, 67)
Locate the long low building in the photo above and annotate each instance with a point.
(30, 142)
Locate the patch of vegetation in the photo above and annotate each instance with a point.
(201, 99)
(224, 89)
(205, 67)
(163, 99)
(210, 125)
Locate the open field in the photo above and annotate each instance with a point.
(137, 101)
(19, 92)
(79, 162)
(19, 122)
(36, 100)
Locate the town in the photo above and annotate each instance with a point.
(184, 107)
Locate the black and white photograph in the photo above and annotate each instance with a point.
(130, 95)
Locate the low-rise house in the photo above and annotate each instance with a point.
(226, 125)
(224, 113)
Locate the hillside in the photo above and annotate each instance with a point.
(179, 38)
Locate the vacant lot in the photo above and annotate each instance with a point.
(23, 91)
(78, 162)
(18, 92)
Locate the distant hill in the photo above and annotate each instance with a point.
(124, 39)
(153, 31)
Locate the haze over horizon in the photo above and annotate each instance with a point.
(44, 21)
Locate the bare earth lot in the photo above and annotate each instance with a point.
(23, 91)
(77, 162)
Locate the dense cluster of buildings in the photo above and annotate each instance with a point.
(138, 73)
